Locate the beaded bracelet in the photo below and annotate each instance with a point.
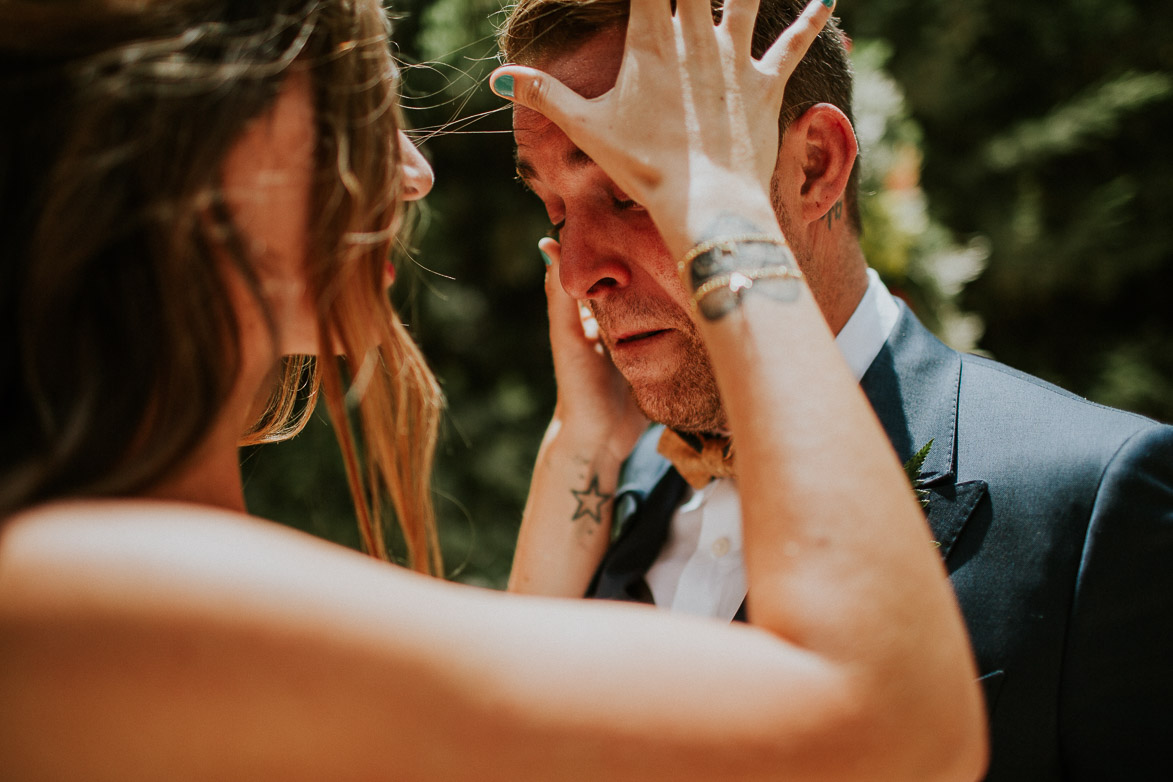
(742, 280)
(727, 245)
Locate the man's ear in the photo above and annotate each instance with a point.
(817, 156)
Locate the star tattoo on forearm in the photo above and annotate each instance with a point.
(590, 501)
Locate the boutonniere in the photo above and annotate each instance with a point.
(912, 470)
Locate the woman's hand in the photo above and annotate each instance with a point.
(692, 115)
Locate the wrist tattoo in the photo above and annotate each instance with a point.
(734, 258)
(591, 502)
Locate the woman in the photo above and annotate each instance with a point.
(193, 191)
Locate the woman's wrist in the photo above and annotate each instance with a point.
(736, 257)
(686, 216)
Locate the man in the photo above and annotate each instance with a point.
(1054, 516)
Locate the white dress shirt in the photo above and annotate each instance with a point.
(701, 569)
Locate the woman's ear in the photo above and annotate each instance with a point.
(820, 150)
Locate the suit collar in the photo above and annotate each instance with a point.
(645, 467)
(913, 386)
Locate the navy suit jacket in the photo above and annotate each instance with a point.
(1055, 520)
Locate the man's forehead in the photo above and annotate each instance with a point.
(589, 69)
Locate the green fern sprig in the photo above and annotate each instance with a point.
(912, 469)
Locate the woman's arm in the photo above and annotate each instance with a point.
(165, 641)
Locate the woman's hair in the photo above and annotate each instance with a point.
(122, 344)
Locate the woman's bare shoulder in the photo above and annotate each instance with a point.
(119, 544)
(153, 559)
(137, 632)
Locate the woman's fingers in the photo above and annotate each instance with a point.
(782, 57)
(696, 21)
(649, 20)
(738, 18)
(539, 91)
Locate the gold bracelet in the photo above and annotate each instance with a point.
(738, 281)
(727, 245)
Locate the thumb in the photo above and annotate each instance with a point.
(538, 91)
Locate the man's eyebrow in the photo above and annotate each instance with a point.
(525, 172)
(574, 158)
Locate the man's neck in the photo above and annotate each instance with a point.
(839, 286)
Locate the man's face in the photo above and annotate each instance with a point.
(613, 257)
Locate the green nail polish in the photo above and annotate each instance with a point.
(829, 3)
(545, 258)
(503, 85)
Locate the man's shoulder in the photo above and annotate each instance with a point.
(1003, 394)
(1030, 431)
(992, 394)
(1006, 422)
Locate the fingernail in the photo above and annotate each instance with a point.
(503, 85)
(545, 258)
(829, 3)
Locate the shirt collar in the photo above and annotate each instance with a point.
(868, 328)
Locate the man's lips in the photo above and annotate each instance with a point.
(636, 336)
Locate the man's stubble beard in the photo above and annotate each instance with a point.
(686, 398)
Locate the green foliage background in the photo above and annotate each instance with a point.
(1019, 187)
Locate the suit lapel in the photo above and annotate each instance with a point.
(914, 385)
(647, 496)
(950, 506)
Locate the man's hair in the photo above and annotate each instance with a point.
(121, 344)
(537, 30)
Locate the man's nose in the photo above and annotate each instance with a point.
(594, 263)
(417, 174)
